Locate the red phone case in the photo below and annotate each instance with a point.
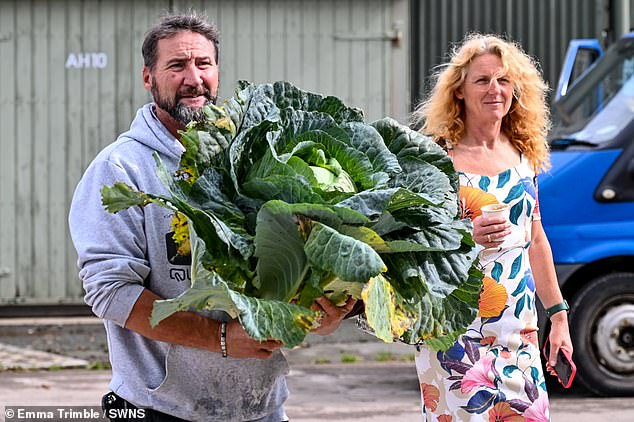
(565, 368)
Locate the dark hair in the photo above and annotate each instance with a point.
(171, 25)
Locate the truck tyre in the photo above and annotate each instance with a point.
(602, 330)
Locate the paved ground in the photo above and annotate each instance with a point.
(348, 377)
(377, 392)
(77, 337)
(13, 357)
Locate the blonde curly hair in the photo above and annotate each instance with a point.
(528, 120)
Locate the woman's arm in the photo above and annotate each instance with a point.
(543, 268)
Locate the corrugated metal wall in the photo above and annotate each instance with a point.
(338, 47)
(70, 81)
(543, 27)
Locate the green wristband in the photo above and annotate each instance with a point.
(563, 306)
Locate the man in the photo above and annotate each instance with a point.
(174, 371)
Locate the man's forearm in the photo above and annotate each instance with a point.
(184, 328)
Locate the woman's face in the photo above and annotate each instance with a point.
(487, 91)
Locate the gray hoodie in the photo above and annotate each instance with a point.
(120, 255)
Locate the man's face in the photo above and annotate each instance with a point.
(185, 76)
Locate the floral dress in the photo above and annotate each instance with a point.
(493, 372)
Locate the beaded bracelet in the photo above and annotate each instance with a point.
(223, 339)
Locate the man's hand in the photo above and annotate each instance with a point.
(193, 330)
(332, 314)
(240, 345)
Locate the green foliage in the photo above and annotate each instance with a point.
(384, 357)
(98, 365)
(410, 357)
(349, 358)
(289, 196)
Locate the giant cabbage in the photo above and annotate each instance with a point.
(290, 195)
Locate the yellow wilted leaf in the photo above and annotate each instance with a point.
(400, 323)
(386, 321)
(225, 123)
(181, 234)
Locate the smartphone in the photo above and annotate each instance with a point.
(565, 368)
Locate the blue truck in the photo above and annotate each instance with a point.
(587, 203)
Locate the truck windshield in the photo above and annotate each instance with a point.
(600, 104)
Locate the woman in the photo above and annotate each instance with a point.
(488, 110)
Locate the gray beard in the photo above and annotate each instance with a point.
(180, 112)
(185, 115)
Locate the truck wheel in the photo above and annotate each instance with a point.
(602, 330)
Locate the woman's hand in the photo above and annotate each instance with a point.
(559, 337)
(490, 231)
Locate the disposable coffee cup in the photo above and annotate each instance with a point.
(496, 210)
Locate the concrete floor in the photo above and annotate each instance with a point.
(362, 392)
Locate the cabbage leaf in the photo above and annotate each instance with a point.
(290, 195)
